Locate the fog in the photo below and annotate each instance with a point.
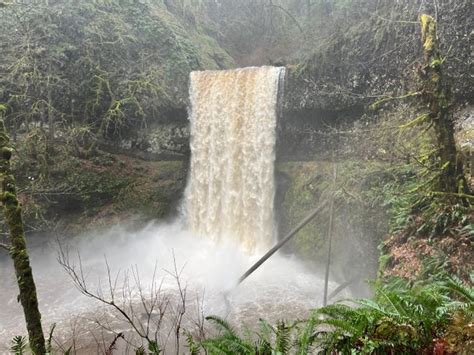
(283, 288)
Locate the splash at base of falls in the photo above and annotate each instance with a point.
(282, 289)
(229, 201)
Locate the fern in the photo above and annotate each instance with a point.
(223, 325)
(49, 347)
(457, 288)
(307, 336)
(19, 345)
(404, 317)
(193, 347)
(227, 343)
(282, 337)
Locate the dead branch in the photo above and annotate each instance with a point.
(113, 345)
(281, 8)
(144, 311)
(78, 277)
(5, 246)
(180, 308)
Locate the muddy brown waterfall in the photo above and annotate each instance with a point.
(231, 187)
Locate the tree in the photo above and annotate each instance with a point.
(436, 94)
(101, 69)
(17, 247)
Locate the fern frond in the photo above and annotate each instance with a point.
(282, 337)
(457, 287)
(49, 347)
(266, 330)
(337, 310)
(306, 337)
(19, 345)
(222, 324)
(193, 347)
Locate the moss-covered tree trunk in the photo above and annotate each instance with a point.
(437, 95)
(18, 251)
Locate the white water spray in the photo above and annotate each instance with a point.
(229, 199)
(231, 185)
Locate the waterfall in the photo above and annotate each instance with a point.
(231, 186)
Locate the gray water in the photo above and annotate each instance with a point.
(282, 289)
(227, 224)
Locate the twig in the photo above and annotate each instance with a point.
(290, 16)
(341, 287)
(390, 20)
(459, 195)
(378, 103)
(79, 281)
(5, 246)
(113, 345)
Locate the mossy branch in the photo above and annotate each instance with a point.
(7, 247)
(417, 121)
(18, 250)
(392, 98)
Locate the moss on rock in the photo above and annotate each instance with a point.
(360, 220)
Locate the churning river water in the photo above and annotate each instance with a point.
(281, 289)
(227, 223)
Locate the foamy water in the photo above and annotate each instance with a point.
(231, 185)
(227, 225)
(281, 289)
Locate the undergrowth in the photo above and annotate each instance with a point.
(403, 318)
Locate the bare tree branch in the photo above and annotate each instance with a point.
(290, 16)
(145, 311)
(7, 247)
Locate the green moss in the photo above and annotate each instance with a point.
(13, 219)
(360, 217)
(308, 181)
(155, 190)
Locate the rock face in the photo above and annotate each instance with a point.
(372, 59)
(375, 56)
(331, 83)
(162, 142)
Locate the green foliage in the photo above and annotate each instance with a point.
(154, 348)
(408, 197)
(106, 65)
(49, 345)
(192, 345)
(403, 318)
(228, 342)
(19, 345)
(268, 340)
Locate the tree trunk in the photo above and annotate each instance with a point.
(437, 95)
(18, 251)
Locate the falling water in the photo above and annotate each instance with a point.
(229, 198)
(231, 187)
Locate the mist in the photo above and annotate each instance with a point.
(283, 288)
(152, 151)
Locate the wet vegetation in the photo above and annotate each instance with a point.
(432, 316)
(93, 97)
